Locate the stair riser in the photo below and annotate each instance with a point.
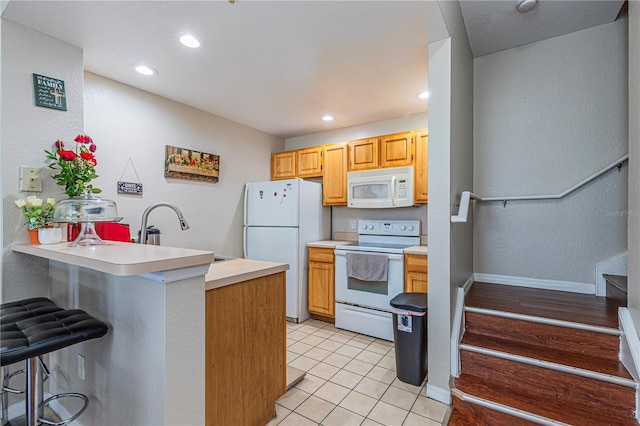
(562, 338)
(527, 379)
(469, 414)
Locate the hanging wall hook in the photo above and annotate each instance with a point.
(504, 203)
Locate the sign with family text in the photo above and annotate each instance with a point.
(49, 92)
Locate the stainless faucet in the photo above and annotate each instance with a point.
(143, 229)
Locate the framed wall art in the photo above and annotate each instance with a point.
(184, 163)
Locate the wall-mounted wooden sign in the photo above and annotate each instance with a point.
(49, 92)
(134, 188)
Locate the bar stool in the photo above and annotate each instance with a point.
(33, 327)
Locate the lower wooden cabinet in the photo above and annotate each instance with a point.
(322, 298)
(415, 273)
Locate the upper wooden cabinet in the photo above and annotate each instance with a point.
(283, 165)
(309, 162)
(302, 163)
(421, 161)
(363, 154)
(396, 150)
(334, 180)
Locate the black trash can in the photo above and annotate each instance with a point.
(410, 336)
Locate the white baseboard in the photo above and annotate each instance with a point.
(617, 265)
(572, 286)
(630, 349)
(439, 394)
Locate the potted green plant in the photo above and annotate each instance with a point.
(39, 214)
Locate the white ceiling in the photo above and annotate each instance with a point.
(278, 66)
(495, 25)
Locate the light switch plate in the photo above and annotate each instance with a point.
(30, 179)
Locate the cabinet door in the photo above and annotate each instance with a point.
(415, 276)
(283, 165)
(396, 150)
(309, 162)
(422, 155)
(416, 282)
(363, 154)
(334, 175)
(322, 299)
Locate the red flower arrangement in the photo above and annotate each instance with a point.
(74, 169)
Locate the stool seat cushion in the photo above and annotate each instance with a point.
(26, 308)
(46, 332)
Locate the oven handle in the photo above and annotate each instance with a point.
(343, 253)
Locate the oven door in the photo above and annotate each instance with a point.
(373, 294)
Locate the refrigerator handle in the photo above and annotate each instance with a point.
(244, 242)
(246, 192)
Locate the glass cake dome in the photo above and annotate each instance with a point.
(86, 210)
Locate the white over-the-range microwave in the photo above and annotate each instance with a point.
(380, 188)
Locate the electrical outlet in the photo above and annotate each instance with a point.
(30, 179)
(353, 224)
(81, 367)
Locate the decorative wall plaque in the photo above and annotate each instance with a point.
(49, 92)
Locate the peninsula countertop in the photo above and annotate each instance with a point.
(237, 270)
(119, 258)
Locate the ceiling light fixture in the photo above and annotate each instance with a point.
(189, 41)
(145, 70)
(526, 5)
(327, 117)
(423, 95)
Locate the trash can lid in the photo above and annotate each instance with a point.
(416, 302)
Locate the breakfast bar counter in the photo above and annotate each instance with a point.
(148, 369)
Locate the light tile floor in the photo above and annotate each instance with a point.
(351, 380)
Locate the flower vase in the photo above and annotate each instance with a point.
(33, 236)
(49, 235)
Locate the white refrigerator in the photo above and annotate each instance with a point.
(280, 218)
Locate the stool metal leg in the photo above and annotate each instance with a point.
(33, 392)
(4, 395)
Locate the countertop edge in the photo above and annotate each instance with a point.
(83, 257)
(222, 274)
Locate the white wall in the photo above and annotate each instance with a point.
(125, 122)
(384, 127)
(634, 161)
(450, 172)
(548, 115)
(27, 130)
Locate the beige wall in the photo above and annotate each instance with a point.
(634, 163)
(26, 131)
(128, 123)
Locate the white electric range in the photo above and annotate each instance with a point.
(363, 306)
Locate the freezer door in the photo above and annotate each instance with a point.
(279, 245)
(272, 203)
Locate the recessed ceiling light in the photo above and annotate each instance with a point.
(145, 70)
(327, 117)
(189, 41)
(423, 95)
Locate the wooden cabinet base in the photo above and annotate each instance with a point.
(323, 318)
(245, 351)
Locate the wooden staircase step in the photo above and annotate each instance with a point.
(572, 359)
(556, 409)
(559, 305)
(570, 339)
(542, 391)
(468, 414)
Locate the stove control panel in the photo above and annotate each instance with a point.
(408, 228)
